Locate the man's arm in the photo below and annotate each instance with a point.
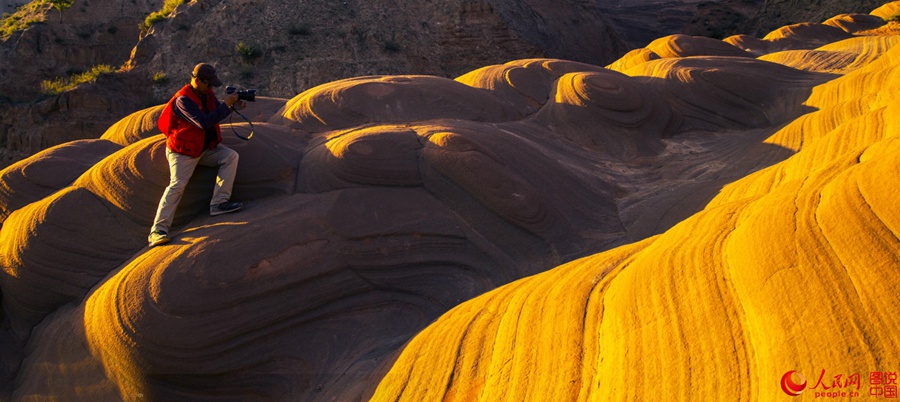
(189, 110)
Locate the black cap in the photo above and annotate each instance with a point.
(207, 73)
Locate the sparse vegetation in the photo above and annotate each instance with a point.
(25, 16)
(247, 52)
(160, 78)
(156, 16)
(61, 5)
(60, 85)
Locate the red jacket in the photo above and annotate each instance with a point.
(182, 136)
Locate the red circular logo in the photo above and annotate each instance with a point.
(790, 386)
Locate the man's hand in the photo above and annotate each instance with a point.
(230, 100)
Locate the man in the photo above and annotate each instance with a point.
(190, 122)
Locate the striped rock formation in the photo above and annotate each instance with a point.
(691, 223)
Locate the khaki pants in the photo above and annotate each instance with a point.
(181, 168)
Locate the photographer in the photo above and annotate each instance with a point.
(190, 122)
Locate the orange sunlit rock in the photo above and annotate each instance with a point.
(687, 46)
(701, 220)
(855, 22)
(792, 268)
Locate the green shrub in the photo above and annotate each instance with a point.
(60, 5)
(24, 16)
(248, 53)
(53, 87)
(59, 85)
(160, 78)
(157, 16)
(153, 18)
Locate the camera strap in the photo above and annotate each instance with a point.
(247, 138)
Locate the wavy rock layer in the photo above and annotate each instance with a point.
(47, 172)
(792, 268)
(374, 205)
(748, 93)
(686, 46)
(842, 57)
(357, 101)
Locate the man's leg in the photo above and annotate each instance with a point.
(181, 167)
(227, 160)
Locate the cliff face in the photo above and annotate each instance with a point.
(283, 47)
(84, 112)
(323, 41)
(9, 6)
(73, 40)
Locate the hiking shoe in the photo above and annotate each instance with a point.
(158, 237)
(224, 208)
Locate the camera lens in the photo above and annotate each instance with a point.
(247, 95)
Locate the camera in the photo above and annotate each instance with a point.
(243, 94)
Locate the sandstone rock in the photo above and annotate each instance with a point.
(358, 101)
(887, 11)
(728, 287)
(683, 199)
(855, 22)
(687, 46)
(843, 56)
(729, 92)
(525, 84)
(47, 172)
(804, 36)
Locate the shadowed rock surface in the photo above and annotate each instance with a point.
(679, 193)
(721, 305)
